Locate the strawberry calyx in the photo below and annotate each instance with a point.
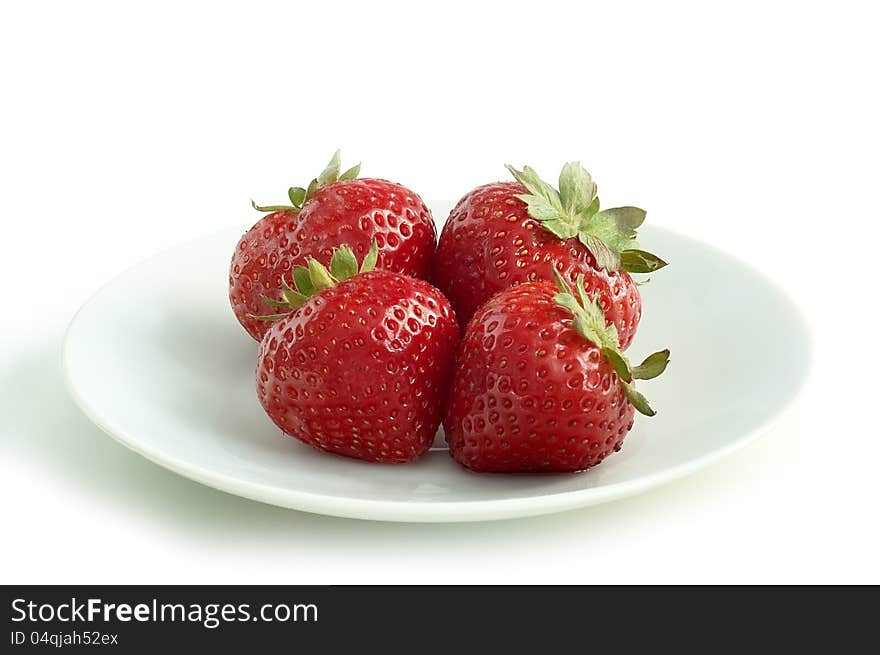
(573, 211)
(589, 321)
(299, 195)
(315, 277)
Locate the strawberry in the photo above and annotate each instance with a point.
(334, 209)
(541, 383)
(503, 234)
(362, 365)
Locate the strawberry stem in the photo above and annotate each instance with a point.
(310, 280)
(298, 195)
(572, 211)
(589, 321)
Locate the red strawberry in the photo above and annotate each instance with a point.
(541, 383)
(335, 209)
(502, 234)
(362, 367)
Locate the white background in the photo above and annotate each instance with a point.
(126, 130)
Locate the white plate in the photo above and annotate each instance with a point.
(157, 360)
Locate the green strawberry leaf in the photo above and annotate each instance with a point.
(275, 303)
(543, 202)
(331, 173)
(594, 207)
(268, 317)
(370, 258)
(618, 361)
(297, 195)
(320, 276)
(533, 183)
(653, 366)
(576, 188)
(351, 173)
(272, 208)
(293, 299)
(639, 261)
(638, 400)
(631, 217)
(310, 190)
(541, 207)
(605, 257)
(606, 226)
(344, 264)
(303, 280)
